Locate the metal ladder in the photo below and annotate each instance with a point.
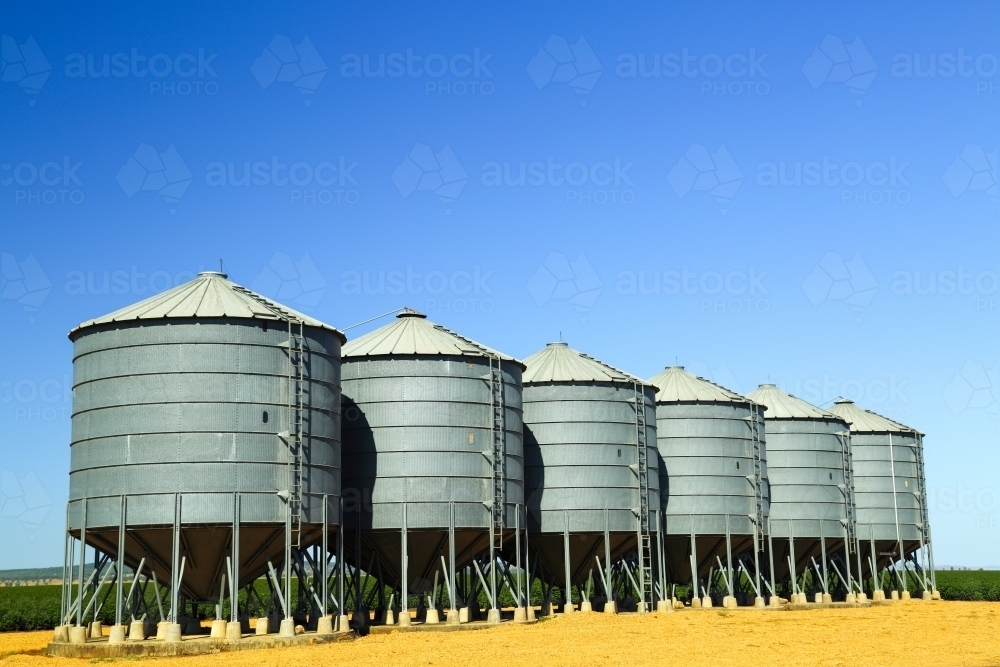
(849, 504)
(296, 389)
(925, 522)
(758, 474)
(498, 459)
(295, 346)
(642, 472)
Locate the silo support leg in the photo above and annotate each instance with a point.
(568, 599)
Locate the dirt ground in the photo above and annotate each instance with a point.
(923, 633)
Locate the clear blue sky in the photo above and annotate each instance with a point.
(806, 196)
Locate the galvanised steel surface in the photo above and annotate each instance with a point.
(581, 455)
(192, 407)
(707, 452)
(415, 431)
(887, 480)
(805, 449)
(580, 444)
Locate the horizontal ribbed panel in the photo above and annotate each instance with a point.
(195, 407)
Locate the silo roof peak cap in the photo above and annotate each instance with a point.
(209, 274)
(843, 401)
(676, 366)
(409, 312)
(557, 343)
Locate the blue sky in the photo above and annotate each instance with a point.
(659, 218)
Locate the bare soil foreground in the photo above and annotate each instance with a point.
(924, 633)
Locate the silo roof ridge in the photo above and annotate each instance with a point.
(866, 421)
(558, 362)
(209, 295)
(418, 335)
(779, 404)
(677, 385)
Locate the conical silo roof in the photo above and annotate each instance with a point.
(782, 405)
(866, 421)
(558, 362)
(677, 385)
(413, 334)
(209, 295)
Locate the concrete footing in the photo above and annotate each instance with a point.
(137, 631)
(116, 634)
(531, 614)
(926, 595)
(827, 598)
(894, 596)
(161, 630)
(664, 606)
(61, 634)
(935, 595)
(586, 606)
(96, 629)
(452, 617)
(432, 617)
(493, 618)
(173, 633)
(758, 602)
(906, 595)
(610, 607)
(568, 608)
(862, 597)
(850, 598)
(234, 630)
(262, 624)
(218, 629)
(546, 609)
(343, 623)
(878, 595)
(775, 601)
(520, 615)
(390, 619)
(463, 614)
(404, 618)
(696, 603)
(818, 598)
(287, 628)
(77, 634)
(706, 602)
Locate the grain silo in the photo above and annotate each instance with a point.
(890, 495)
(812, 505)
(205, 446)
(713, 482)
(433, 462)
(591, 476)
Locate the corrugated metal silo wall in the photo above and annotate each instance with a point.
(580, 444)
(416, 429)
(806, 473)
(873, 486)
(707, 453)
(160, 409)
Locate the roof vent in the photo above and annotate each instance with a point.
(409, 312)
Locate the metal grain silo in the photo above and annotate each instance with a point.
(591, 473)
(714, 478)
(812, 504)
(433, 455)
(206, 423)
(889, 492)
